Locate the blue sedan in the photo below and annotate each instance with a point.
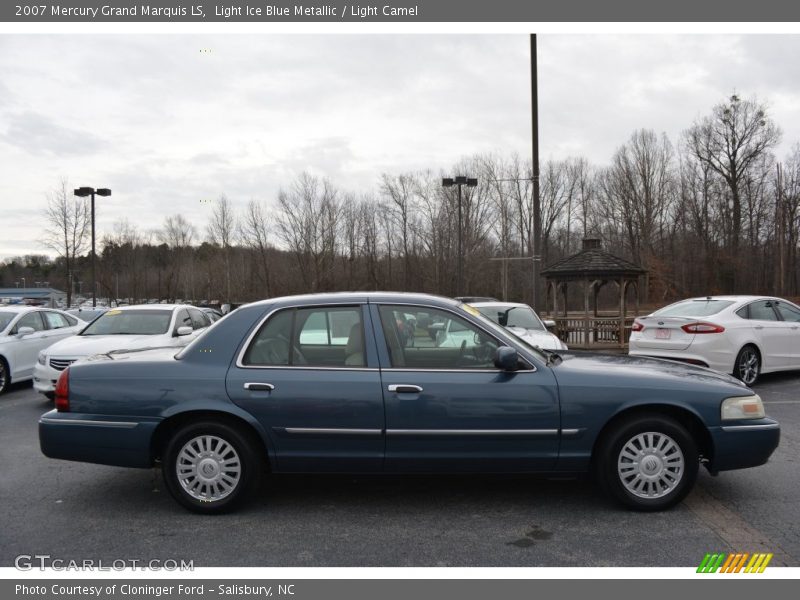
(355, 383)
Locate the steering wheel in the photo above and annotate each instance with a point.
(462, 352)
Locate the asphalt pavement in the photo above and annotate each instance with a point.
(76, 511)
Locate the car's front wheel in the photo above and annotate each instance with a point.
(5, 375)
(211, 467)
(648, 462)
(748, 365)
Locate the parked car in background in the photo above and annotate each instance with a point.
(24, 332)
(213, 314)
(123, 328)
(278, 383)
(522, 321)
(742, 335)
(87, 314)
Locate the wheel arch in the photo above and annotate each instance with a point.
(174, 422)
(686, 417)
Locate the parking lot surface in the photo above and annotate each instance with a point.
(76, 511)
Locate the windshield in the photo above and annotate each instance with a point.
(496, 328)
(5, 319)
(130, 322)
(512, 316)
(693, 308)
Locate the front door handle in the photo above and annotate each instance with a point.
(403, 388)
(758, 327)
(259, 387)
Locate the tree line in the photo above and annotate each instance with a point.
(715, 211)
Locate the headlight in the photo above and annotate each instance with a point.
(742, 407)
(42, 360)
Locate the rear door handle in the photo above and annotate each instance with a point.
(758, 327)
(403, 388)
(259, 387)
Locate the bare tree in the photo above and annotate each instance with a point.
(68, 228)
(221, 230)
(178, 233)
(255, 231)
(731, 141)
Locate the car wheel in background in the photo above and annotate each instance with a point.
(748, 365)
(647, 462)
(211, 467)
(5, 375)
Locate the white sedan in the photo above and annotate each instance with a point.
(24, 332)
(124, 328)
(741, 335)
(522, 321)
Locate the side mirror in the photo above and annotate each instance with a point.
(550, 323)
(506, 358)
(184, 330)
(23, 331)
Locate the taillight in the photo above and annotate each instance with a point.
(700, 327)
(637, 325)
(62, 392)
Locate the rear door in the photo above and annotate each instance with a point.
(769, 331)
(790, 333)
(310, 376)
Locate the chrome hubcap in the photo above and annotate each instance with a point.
(650, 465)
(748, 366)
(2, 375)
(208, 468)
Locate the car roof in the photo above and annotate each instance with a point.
(148, 307)
(22, 308)
(334, 297)
(732, 298)
(498, 303)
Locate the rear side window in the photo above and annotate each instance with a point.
(789, 312)
(762, 311)
(694, 308)
(314, 337)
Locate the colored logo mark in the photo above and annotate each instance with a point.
(740, 562)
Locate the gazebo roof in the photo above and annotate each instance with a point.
(592, 261)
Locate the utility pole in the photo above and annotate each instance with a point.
(537, 210)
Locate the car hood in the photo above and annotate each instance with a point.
(642, 370)
(79, 345)
(536, 337)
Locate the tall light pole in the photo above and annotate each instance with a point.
(460, 180)
(537, 209)
(83, 192)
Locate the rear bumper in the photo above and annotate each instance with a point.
(719, 359)
(742, 446)
(117, 441)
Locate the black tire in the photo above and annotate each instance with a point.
(667, 485)
(5, 375)
(747, 367)
(245, 452)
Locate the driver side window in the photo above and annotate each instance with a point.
(434, 339)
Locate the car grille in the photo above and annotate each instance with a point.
(59, 364)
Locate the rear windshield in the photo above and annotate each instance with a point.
(693, 308)
(130, 322)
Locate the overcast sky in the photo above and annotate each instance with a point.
(166, 125)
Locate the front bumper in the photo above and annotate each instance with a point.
(45, 378)
(105, 440)
(743, 445)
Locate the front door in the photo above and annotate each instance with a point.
(449, 409)
(312, 382)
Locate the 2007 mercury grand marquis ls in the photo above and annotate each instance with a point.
(360, 382)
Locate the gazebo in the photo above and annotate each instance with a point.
(592, 268)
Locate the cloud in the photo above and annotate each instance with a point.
(37, 134)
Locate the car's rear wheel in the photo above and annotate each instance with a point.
(5, 375)
(648, 462)
(748, 365)
(211, 467)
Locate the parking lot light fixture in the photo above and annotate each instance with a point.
(83, 192)
(459, 181)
